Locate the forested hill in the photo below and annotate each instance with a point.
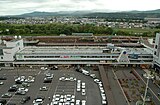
(107, 14)
(123, 15)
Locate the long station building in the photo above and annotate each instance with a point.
(20, 51)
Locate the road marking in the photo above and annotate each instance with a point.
(56, 88)
(121, 87)
(148, 86)
(10, 98)
(39, 72)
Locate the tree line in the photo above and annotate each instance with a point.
(59, 28)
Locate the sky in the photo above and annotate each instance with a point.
(16, 7)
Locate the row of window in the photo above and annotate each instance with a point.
(82, 57)
(70, 56)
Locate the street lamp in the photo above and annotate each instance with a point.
(148, 76)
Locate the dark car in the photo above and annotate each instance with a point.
(25, 99)
(54, 68)
(14, 88)
(40, 97)
(11, 104)
(18, 82)
(47, 80)
(3, 78)
(3, 102)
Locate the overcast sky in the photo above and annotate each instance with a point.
(12, 7)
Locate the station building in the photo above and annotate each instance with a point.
(14, 53)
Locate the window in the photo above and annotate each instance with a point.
(156, 46)
(1, 57)
(155, 53)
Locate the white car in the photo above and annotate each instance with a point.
(93, 75)
(44, 88)
(1, 83)
(100, 84)
(62, 78)
(83, 102)
(83, 92)
(104, 102)
(78, 102)
(38, 101)
(44, 68)
(78, 81)
(103, 96)
(83, 85)
(23, 89)
(96, 80)
(78, 89)
(102, 90)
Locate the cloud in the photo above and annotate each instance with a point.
(10, 7)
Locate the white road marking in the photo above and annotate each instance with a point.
(39, 72)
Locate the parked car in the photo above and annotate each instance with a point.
(19, 92)
(93, 75)
(38, 100)
(1, 83)
(83, 92)
(3, 78)
(44, 88)
(6, 95)
(83, 102)
(13, 88)
(47, 80)
(11, 103)
(23, 89)
(54, 67)
(3, 101)
(78, 102)
(25, 85)
(25, 99)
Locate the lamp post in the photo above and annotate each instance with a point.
(148, 76)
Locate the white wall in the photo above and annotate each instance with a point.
(9, 52)
(157, 50)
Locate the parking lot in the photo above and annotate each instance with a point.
(57, 86)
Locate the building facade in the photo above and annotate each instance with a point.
(157, 53)
(8, 50)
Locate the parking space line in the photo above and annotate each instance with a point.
(56, 87)
(10, 98)
(39, 72)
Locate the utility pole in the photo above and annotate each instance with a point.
(148, 76)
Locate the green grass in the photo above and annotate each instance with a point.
(136, 30)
